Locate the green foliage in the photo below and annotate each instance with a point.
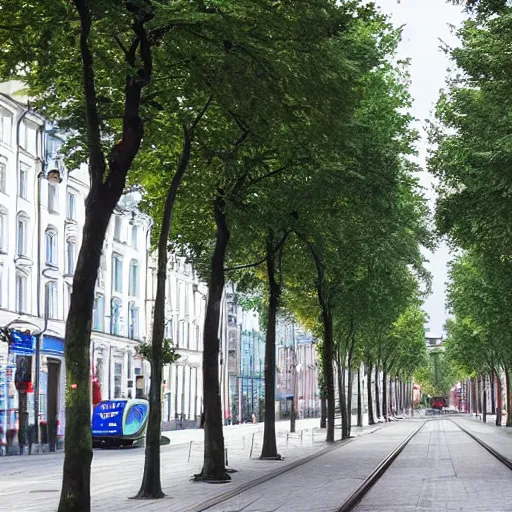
(169, 354)
(437, 375)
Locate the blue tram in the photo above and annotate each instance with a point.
(119, 423)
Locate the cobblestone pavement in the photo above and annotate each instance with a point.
(32, 483)
(443, 469)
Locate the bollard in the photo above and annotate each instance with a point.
(287, 434)
(252, 446)
(226, 457)
(189, 450)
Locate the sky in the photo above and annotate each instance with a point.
(425, 24)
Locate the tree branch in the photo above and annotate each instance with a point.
(201, 113)
(268, 175)
(264, 259)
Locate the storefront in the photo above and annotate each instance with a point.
(19, 384)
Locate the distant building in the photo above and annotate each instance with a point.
(434, 342)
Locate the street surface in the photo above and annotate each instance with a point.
(442, 469)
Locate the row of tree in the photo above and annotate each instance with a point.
(271, 142)
(472, 133)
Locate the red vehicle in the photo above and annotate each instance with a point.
(438, 402)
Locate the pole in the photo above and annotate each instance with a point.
(36, 389)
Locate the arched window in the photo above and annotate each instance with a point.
(134, 278)
(133, 321)
(117, 273)
(115, 317)
(98, 314)
(21, 235)
(51, 246)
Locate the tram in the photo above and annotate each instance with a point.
(117, 423)
(438, 402)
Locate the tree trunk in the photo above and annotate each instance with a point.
(75, 493)
(371, 418)
(474, 395)
(343, 401)
(328, 345)
(484, 401)
(377, 394)
(349, 399)
(391, 411)
(327, 356)
(499, 405)
(359, 399)
(269, 450)
(323, 410)
(151, 485)
(384, 395)
(106, 189)
(507, 399)
(214, 467)
(491, 392)
(479, 388)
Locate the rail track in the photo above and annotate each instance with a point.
(352, 501)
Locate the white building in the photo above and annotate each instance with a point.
(185, 313)
(41, 221)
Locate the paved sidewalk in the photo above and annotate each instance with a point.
(31, 484)
(442, 469)
(324, 483)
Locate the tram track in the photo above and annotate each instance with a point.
(358, 495)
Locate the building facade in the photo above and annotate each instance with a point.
(185, 313)
(41, 220)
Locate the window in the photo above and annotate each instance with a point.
(21, 294)
(1, 285)
(118, 375)
(69, 290)
(28, 137)
(129, 365)
(51, 247)
(71, 206)
(134, 278)
(133, 322)
(51, 297)
(52, 198)
(168, 330)
(98, 314)
(115, 317)
(102, 270)
(23, 185)
(70, 257)
(135, 237)
(117, 273)
(3, 177)
(21, 237)
(117, 228)
(4, 240)
(5, 126)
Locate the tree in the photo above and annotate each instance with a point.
(115, 69)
